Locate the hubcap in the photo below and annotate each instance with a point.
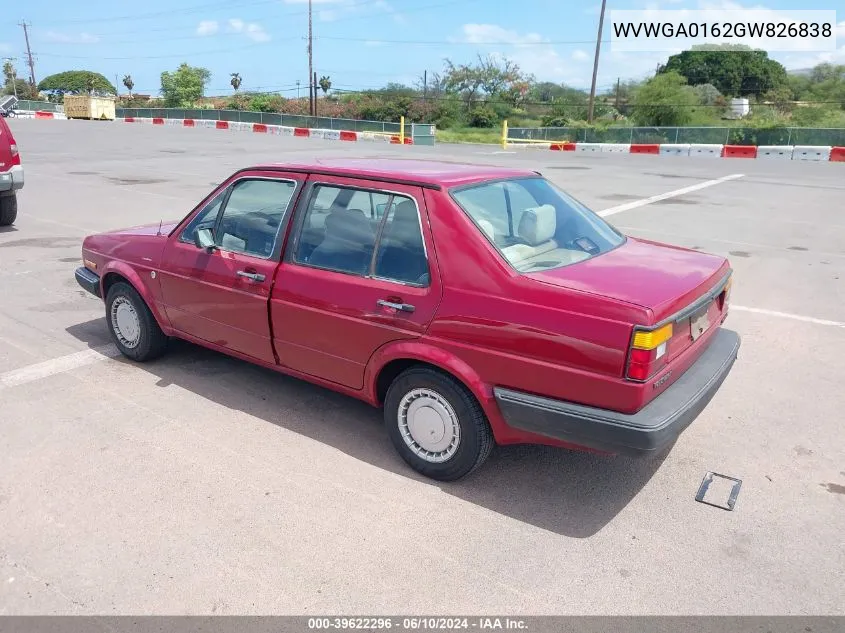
(429, 425)
(125, 322)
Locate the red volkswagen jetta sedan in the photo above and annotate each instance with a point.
(476, 305)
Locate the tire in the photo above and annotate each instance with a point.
(8, 210)
(141, 338)
(420, 388)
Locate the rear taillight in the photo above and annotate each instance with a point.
(16, 157)
(648, 352)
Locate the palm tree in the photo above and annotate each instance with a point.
(325, 83)
(236, 81)
(127, 81)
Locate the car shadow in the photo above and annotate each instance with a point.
(567, 492)
(8, 229)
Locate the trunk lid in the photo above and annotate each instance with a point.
(673, 283)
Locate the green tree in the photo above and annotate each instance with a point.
(76, 82)
(235, 81)
(184, 86)
(735, 70)
(664, 100)
(9, 72)
(489, 77)
(127, 81)
(781, 98)
(325, 84)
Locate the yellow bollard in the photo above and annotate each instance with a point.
(505, 134)
(401, 130)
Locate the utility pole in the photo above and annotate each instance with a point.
(425, 87)
(596, 63)
(315, 94)
(617, 94)
(311, 94)
(29, 54)
(297, 89)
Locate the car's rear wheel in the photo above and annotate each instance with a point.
(436, 424)
(132, 326)
(8, 210)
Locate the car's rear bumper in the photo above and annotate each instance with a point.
(648, 430)
(11, 180)
(88, 280)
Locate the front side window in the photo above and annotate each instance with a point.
(253, 215)
(205, 219)
(534, 225)
(361, 232)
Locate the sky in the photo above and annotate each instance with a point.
(359, 43)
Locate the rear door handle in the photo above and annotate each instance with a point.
(405, 307)
(249, 275)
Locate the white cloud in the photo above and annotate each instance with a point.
(373, 43)
(208, 27)
(252, 30)
(71, 38)
(579, 56)
(534, 54)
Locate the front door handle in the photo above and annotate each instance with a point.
(249, 275)
(405, 307)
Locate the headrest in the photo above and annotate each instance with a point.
(405, 211)
(538, 224)
(487, 227)
(404, 227)
(348, 225)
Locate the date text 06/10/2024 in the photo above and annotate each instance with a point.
(417, 623)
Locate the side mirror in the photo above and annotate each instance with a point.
(204, 239)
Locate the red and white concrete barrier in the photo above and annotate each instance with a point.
(704, 150)
(279, 130)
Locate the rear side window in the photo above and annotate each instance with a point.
(534, 225)
(383, 239)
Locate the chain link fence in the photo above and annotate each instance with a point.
(33, 106)
(268, 118)
(715, 135)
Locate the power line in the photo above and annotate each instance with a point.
(172, 56)
(198, 9)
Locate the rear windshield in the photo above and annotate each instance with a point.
(534, 224)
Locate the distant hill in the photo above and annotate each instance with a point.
(801, 72)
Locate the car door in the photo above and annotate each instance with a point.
(220, 295)
(358, 272)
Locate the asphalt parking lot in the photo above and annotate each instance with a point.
(200, 484)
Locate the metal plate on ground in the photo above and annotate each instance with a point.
(713, 488)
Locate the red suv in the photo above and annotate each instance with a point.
(475, 304)
(11, 175)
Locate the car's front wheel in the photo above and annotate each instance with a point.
(8, 209)
(132, 326)
(436, 424)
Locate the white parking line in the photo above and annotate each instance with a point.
(669, 194)
(54, 366)
(788, 315)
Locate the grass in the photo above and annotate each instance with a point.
(470, 135)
